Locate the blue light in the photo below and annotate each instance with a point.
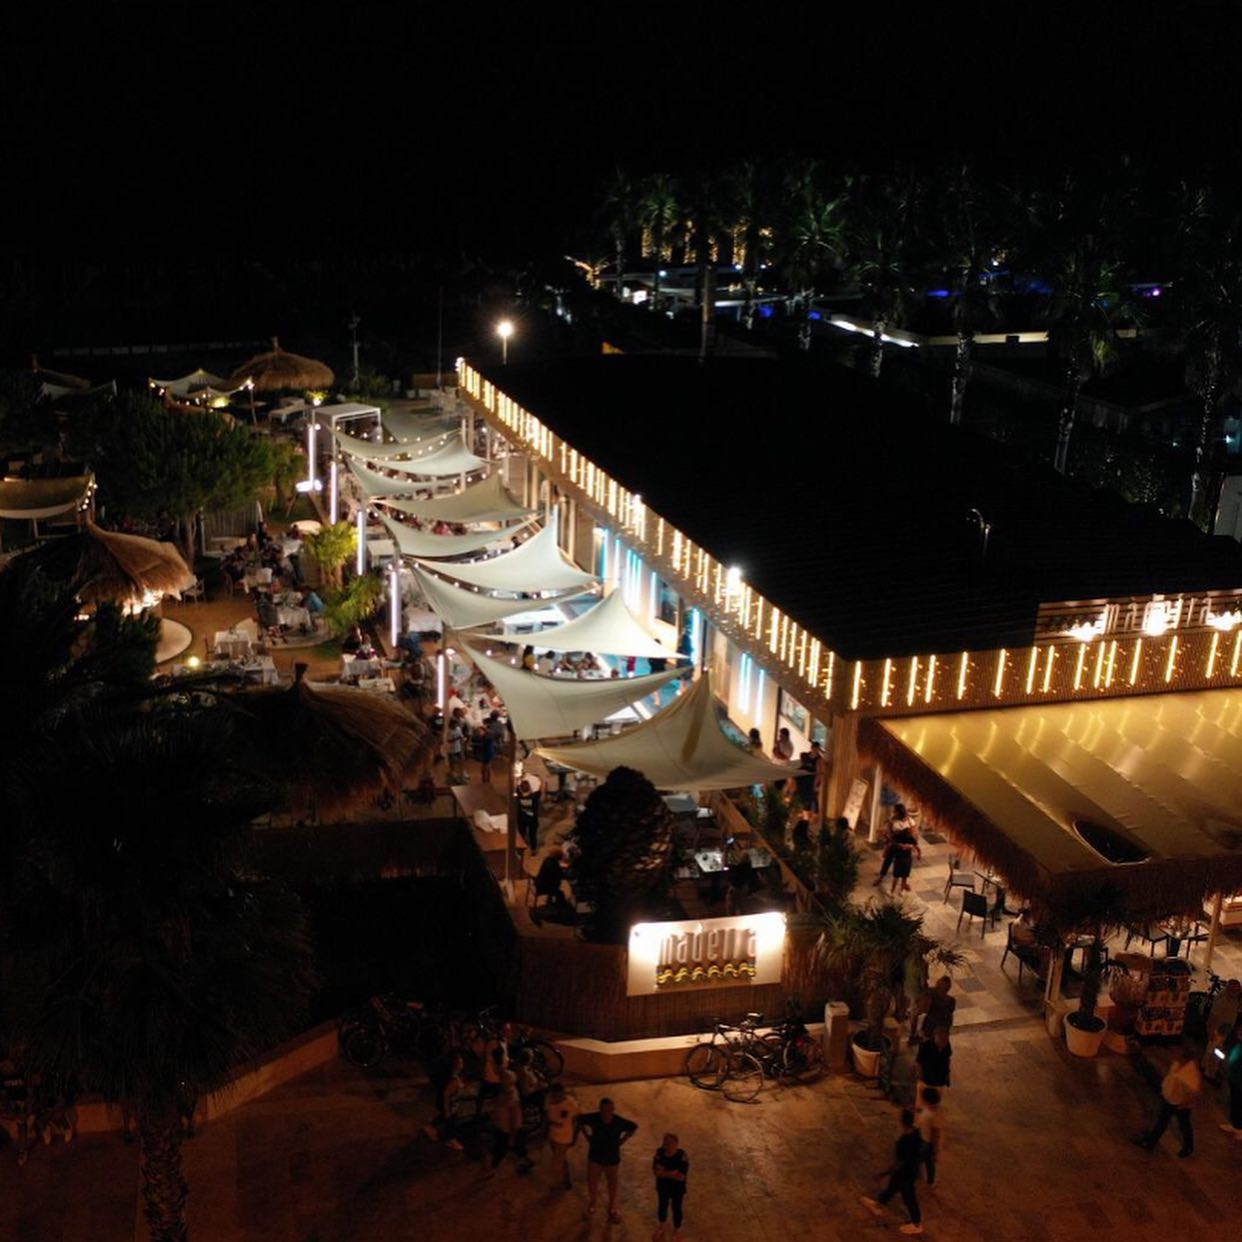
(814, 315)
(937, 293)
(765, 311)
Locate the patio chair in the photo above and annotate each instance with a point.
(976, 906)
(958, 877)
(1028, 955)
(195, 592)
(1144, 932)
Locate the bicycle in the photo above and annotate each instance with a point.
(545, 1055)
(798, 1055)
(733, 1066)
(389, 1025)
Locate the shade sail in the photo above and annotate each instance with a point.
(419, 543)
(487, 501)
(198, 383)
(342, 411)
(31, 500)
(460, 609)
(369, 450)
(413, 428)
(1048, 795)
(375, 484)
(542, 706)
(536, 566)
(610, 627)
(681, 747)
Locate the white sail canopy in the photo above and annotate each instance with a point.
(373, 451)
(460, 609)
(197, 383)
(375, 484)
(420, 543)
(31, 500)
(413, 428)
(453, 458)
(610, 627)
(538, 565)
(540, 706)
(487, 501)
(681, 747)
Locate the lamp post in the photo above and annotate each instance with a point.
(334, 497)
(504, 330)
(361, 564)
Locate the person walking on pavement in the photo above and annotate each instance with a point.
(507, 1129)
(606, 1131)
(561, 1110)
(670, 1165)
(1179, 1092)
(903, 1176)
(898, 817)
(930, 1124)
(1233, 1075)
(932, 1063)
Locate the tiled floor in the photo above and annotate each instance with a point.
(1038, 1149)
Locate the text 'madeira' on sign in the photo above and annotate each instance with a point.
(740, 951)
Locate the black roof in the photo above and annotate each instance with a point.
(849, 505)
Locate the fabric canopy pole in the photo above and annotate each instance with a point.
(681, 747)
(536, 566)
(418, 543)
(462, 609)
(542, 706)
(609, 628)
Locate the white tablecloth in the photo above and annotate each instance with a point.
(292, 614)
(422, 621)
(235, 646)
(352, 667)
(262, 669)
(383, 685)
(257, 577)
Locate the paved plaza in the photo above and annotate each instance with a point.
(1038, 1149)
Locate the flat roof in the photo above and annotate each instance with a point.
(851, 507)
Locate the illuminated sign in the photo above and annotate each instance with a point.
(740, 951)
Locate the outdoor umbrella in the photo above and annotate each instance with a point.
(277, 370)
(108, 565)
(329, 746)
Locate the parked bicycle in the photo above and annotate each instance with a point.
(730, 1060)
(390, 1026)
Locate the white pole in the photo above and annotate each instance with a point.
(873, 829)
(1213, 933)
(311, 428)
(361, 566)
(394, 603)
(334, 496)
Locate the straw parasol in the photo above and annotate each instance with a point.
(108, 565)
(277, 370)
(331, 747)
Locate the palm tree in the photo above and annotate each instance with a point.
(809, 238)
(625, 835)
(144, 956)
(969, 224)
(1205, 311)
(660, 215)
(752, 206)
(1084, 313)
(330, 548)
(621, 216)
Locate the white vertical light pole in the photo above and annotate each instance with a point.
(394, 603)
(311, 428)
(362, 540)
(504, 330)
(335, 495)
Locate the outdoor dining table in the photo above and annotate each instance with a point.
(234, 646)
(293, 614)
(354, 667)
(711, 862)
(381, 685)
(257, 577)
(261, 669)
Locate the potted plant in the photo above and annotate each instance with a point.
(1091, 913)
(882, 949)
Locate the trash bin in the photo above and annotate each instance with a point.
(836, 1035)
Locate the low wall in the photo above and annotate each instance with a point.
(580, 989)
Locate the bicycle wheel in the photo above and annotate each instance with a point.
(744, 1078)
(706, 1065)
(548, 1059)
(362, 1045)
(804, 1059)
(769, 1051)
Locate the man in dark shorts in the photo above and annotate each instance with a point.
(606, 1130)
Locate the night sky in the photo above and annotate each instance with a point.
(264, 127)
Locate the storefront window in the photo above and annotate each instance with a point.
(793, 711)
(665, 601)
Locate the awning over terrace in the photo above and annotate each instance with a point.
(609, 628)
(31, 500)
(453, 458)
(420, 543)
(488, 501)
(681, 747)
(1141, 793)
(460, 609)
(538, 565)
(542, 706)
(414, 428)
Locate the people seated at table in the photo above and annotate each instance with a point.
(528, 659)
(352, 642)
(313, 604)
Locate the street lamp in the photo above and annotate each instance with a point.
(504, 330)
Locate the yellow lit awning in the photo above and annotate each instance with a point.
(1143, 793)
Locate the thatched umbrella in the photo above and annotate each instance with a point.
(277, 370)
(331, 747)
(108, 565)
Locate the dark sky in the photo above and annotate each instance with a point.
(262, 127)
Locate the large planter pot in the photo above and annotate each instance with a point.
(1083, 1036)
(866, 1061)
